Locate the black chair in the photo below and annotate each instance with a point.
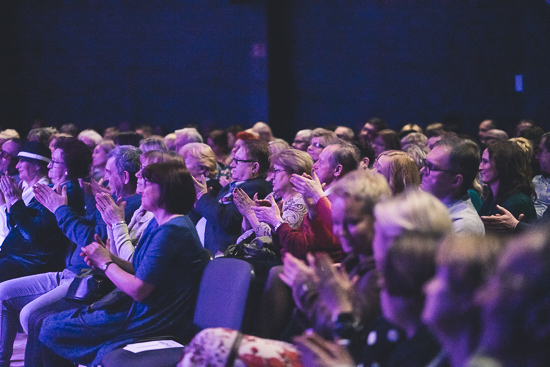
(221, 302)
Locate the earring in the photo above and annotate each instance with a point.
(66, 173)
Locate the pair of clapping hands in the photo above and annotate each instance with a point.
(335, 291)
(97, 252)
(11, 192)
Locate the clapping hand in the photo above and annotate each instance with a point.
(96, 253)
(110, 211)
(335, 288)
(268, 214)
(12, 192)
(51, 199)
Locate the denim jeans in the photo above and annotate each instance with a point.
(26, 295)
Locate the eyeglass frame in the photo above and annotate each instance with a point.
(243, 161)
(427, 170)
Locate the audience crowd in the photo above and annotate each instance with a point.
(415, 247)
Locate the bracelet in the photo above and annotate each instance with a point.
(278, 225)
(118, 224)
(106, 265)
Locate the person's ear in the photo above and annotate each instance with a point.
(338, 170)
(255, 167)
(125, 177)
(458, 180)
(365, 163)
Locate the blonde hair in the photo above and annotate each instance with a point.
(203, 153)
(403, 171)
(366, 187)
(293, 161)
(413, 210)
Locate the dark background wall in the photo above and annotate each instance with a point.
(295, 64)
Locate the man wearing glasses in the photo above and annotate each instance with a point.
(223, 220)
(8, 157)
(451, 167)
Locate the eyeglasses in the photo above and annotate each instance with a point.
(56, 162)
(275, 171)
(5, 155)
(429, 168)
(318, 145)
(242, 161)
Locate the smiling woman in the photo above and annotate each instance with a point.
(168, 250)
(506, 172)
(36, 244)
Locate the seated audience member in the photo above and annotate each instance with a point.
(345, 133)
(387, 345)
(463, 265)
(217, 140)
(302, 140)
(484, 127)
(414, 138)
(123, 239)
(110, 132)
(223, 220)
(8, 134)
(232, 132)
(514, 304)
(263, 130)
(451, 167)
(542, 181)
(185, 136)
(371, 128)
(434, 129)
(99, 159)
(354, 199)
(54, 137)
(144, 130)
(34, 244)
(42, 134)
(8, 162)
(444, 135)
(277, 146)
(522, 125)
(320, 139)
(291, 205)
(128, 138)
(386, 140)
(200, 160)
(170, 140)
(38, 229)
(90, 137)
(156, 304)
(492, 136)
(411, 128)
(417, 154)
(224, 174)
(153, 142)
(399, 170)
(507, 174)
(314, 234)
(70, 129)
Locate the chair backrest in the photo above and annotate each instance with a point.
(223, 294)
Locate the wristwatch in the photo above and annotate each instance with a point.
(106, 265)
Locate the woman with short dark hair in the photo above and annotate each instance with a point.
(161, 283)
